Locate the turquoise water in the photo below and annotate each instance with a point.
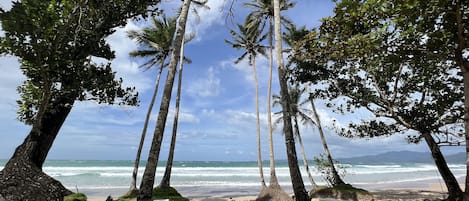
(221, 178)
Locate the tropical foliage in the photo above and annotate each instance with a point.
(393, 59)
(56, 52)
(249, 38)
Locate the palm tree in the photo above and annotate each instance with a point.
(297, 113)
(295, 174)
(157, 41)
(336, 179)
(250, 39)
(165, 182)
(148, 178)
(263, 12)
(291, 37)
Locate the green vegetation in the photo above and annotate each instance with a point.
(405, 63)
(158, 193)
(168, 193)
(75, 197)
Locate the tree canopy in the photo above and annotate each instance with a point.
(56, 42)
(383, 57)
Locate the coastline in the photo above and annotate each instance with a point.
(406, 191)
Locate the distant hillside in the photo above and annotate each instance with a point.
(402, 157)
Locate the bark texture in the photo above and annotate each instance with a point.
(22, 178)
(295, 174)
(166, 181)
(148, 179)
(454, 191)
(133, 182)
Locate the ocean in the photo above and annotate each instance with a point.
(209, 178)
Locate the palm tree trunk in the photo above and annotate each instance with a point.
(148, 178)
(335, 175)
(303, 154)
(273, 174)
(258, 125)
(295, 174)
(165, 182)
(133, 182)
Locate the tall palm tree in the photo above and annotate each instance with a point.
(297, 113)
(249, 39)
(148, 178)
(295, 174)
(291, 37)
(263, 13)
(336, 179)
(165, 182)
(156, 40)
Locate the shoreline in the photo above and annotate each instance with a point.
(403, 191)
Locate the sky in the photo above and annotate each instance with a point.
(217, 117)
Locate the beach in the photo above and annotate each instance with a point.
(433, 192)
(201, 180)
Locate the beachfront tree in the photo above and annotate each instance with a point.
(156, 41)
(401, 62)
(55, 51)
(295, 174)
(165, 181)
(249, 39)
(148, 178)
(297, 113)
(335, 179)
(263, 13)
(292, 38)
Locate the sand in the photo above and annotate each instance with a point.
(433, 192)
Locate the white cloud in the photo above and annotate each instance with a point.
(205, 87)
(10, 78)
(125, 67)
(184, 117)
(206, 18)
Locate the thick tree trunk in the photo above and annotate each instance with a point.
(22, 178)
(335, 175)
(133, 182)
(295, 174)
(273, 175)
(258, 126)
(166, 181)
(454, 191)
(148, 179)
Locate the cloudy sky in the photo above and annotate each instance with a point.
(217, 119)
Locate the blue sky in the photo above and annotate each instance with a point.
(217, 119)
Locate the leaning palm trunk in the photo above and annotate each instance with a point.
(335, 175)
(165, 182)
(295, 174)
(303, 154)
(133, 182)
(258, 125)
(148, 178)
